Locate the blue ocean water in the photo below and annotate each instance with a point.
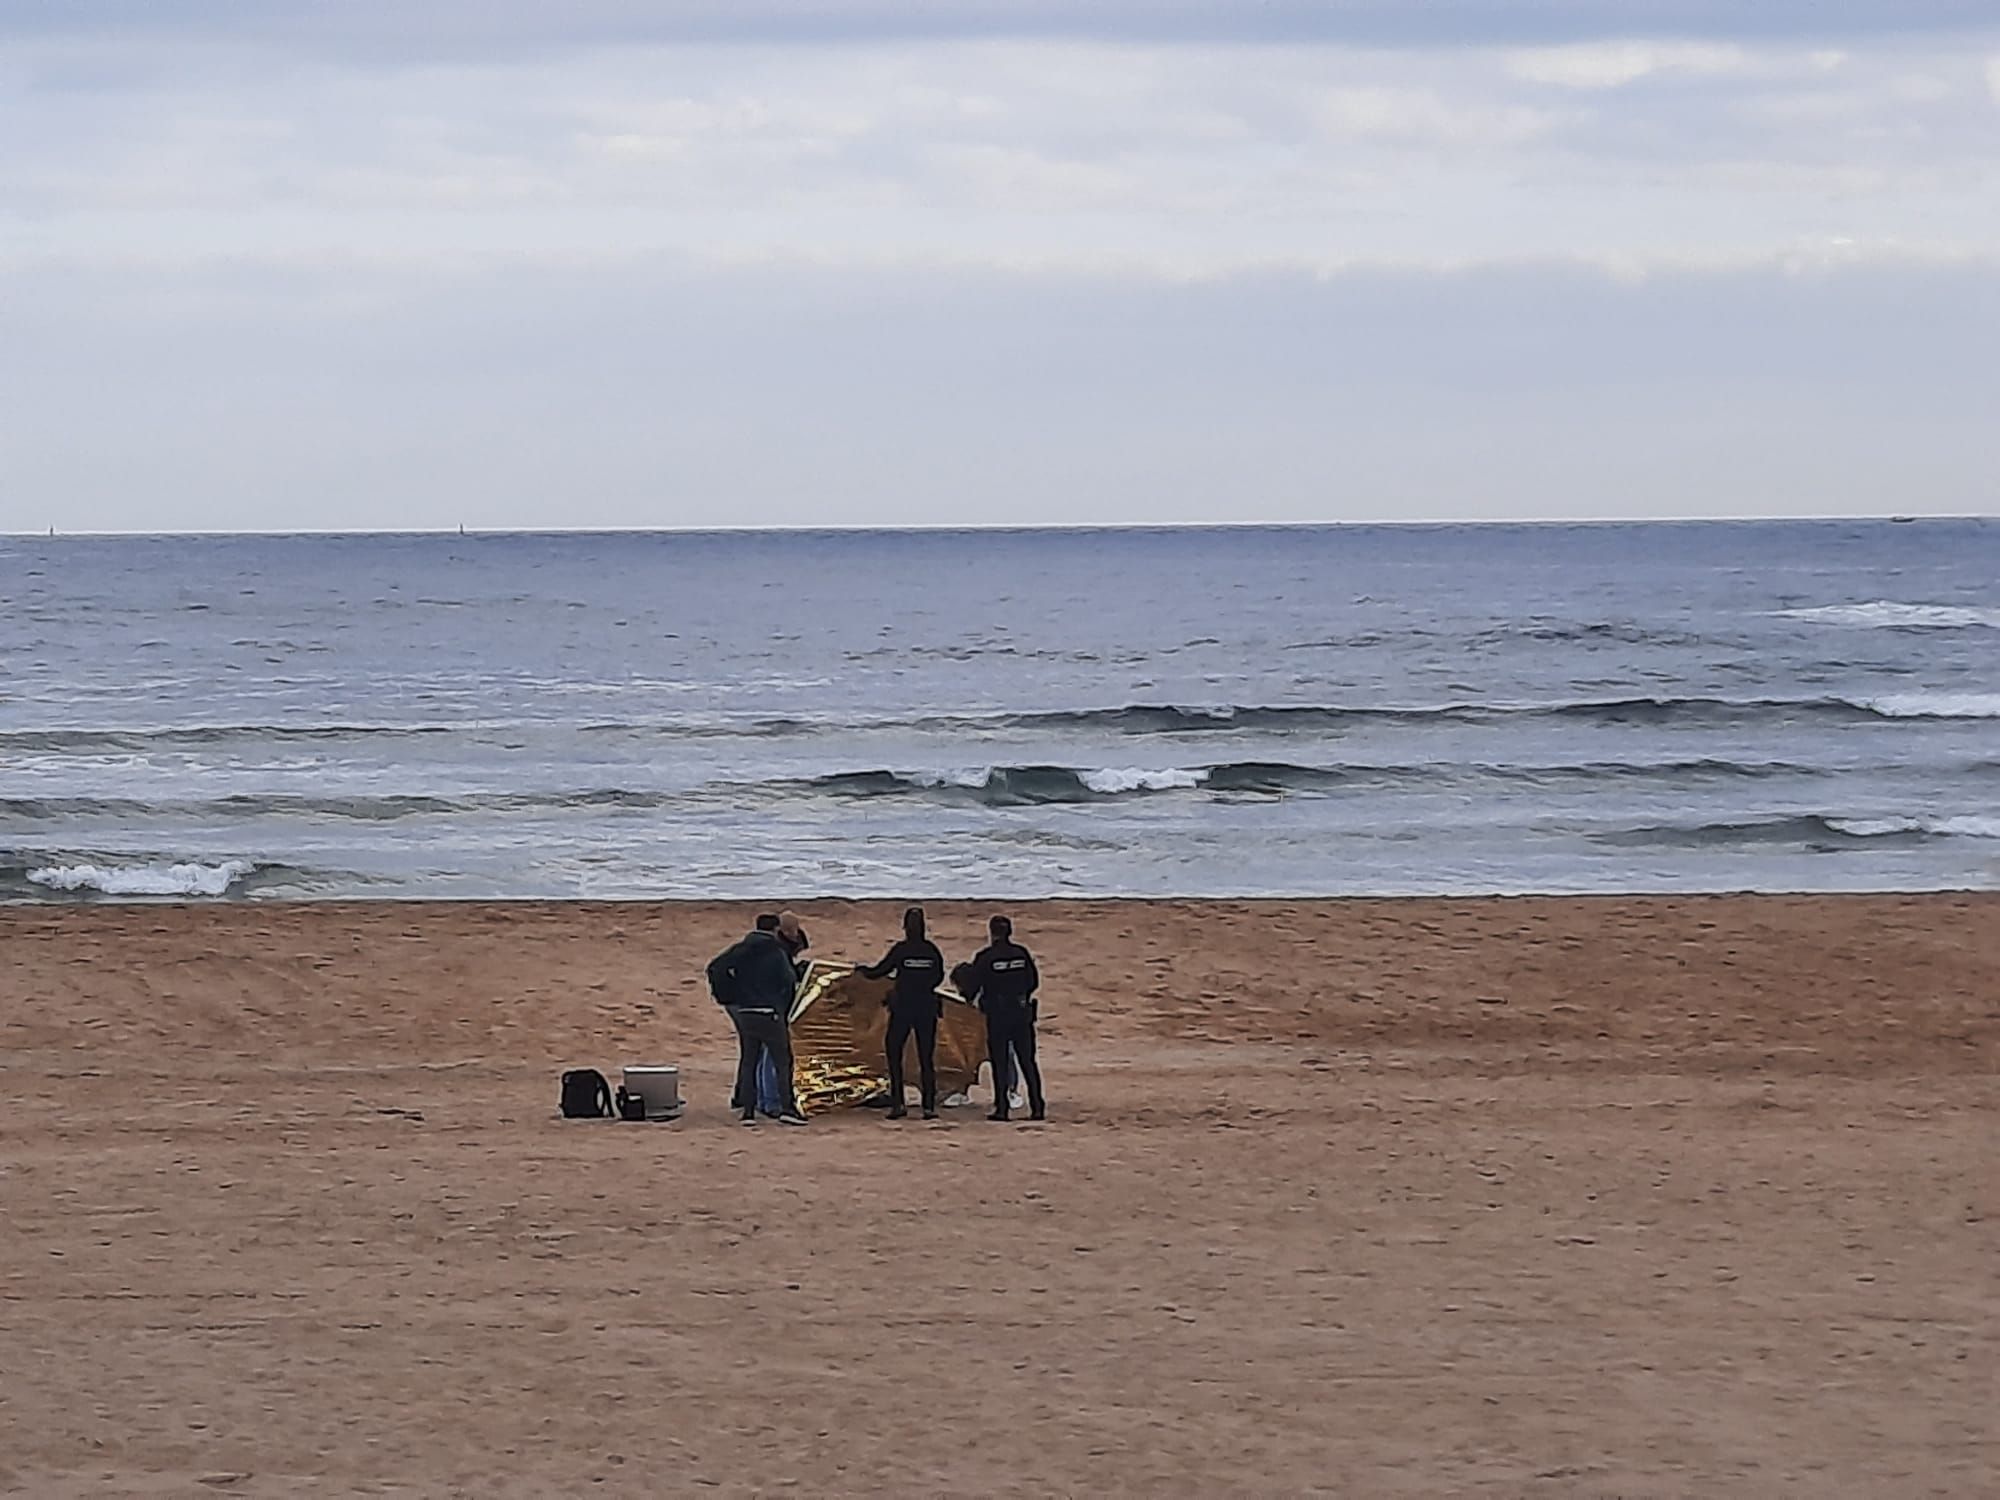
(1689, 706)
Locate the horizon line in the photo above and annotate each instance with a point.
(997, 527)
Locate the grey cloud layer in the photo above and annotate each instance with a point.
(292, 266)
(660, 393)
(1199, 157)
(444, 27)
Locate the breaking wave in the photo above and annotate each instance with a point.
(1277, 777)
(1001, 786)
(1935, 705)
(1006, 786)
(1811, 829)
(1889, 614)
(1964, 825)
(993, 785)
(1130, 719)
(178, 878)
(369, 809)
(1697, 709)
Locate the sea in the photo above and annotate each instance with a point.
(1776, 706)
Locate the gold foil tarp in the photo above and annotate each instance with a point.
(839, 1034)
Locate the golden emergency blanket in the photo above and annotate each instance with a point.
(839, 1034)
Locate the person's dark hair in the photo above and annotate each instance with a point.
(913, 922)
(1000, 927)
(767, 921)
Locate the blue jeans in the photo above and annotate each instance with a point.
(762, 1039)
(769, 1100)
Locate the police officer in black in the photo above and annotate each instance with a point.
(914, 1009)
(1002, 980)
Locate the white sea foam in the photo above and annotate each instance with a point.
(1885, 614)
(1110, 782)
(1970, 825)
(1137, 779)
(188, 879)
(974, 777)
(1934, 705)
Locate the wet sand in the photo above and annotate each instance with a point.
(1619, 1196)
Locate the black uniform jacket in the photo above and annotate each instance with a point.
(1003, 977)
(919, 970)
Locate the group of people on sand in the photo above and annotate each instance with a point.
(756, 981)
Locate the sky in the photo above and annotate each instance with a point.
(294, 266)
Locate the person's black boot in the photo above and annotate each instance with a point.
(897, 1112)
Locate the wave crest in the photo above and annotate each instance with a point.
(188, 878)
(1935, 705)
(1011, 786)
(1814, 830)
(1961, 825)
(1129, 719)
(997, 785)
(1892, 614)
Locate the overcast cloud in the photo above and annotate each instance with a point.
(305, 266)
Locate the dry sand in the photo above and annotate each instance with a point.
(1566, 1197)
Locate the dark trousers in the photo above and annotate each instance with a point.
(760, 1033)
(923, 1025)
(768, 1102)
(1014, 1026)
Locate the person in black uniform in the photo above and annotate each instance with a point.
(1001, 980)
(914, 1009)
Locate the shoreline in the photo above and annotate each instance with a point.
(98, 901)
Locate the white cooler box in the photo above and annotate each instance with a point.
(659, 1087)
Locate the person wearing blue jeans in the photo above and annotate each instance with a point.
(768, 1102)
(770, 1099)
(755, 982)
(786, 924)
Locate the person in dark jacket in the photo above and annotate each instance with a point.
(770, 1104)
(755, 981)
(914, 1008)
(767, 1076)
(1001, 981)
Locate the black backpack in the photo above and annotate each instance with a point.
(585, 1095)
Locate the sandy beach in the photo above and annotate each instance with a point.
(1608, 1196)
